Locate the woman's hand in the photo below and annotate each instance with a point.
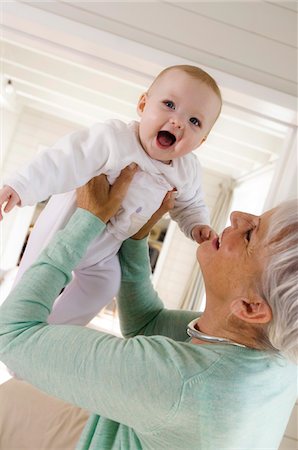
(103, 200)
(167, 205)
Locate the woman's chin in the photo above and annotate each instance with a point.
(204, 252)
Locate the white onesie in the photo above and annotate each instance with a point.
(75, 159)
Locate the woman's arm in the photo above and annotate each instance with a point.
(121, 379)
(107, 375)
(141, 311)
(28, 305)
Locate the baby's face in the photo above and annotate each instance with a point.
(176, 115)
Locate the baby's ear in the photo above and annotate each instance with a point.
(142, 103)
(203, 140)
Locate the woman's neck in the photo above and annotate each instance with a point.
(222, 324)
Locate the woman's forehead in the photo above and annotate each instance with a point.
(267, 217)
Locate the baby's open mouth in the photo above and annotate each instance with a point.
(165, 139)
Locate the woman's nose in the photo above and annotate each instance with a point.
(241, 219)
(234, 219)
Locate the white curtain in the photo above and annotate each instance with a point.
(194, 292)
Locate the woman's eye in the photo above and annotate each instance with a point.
(169, 104)
(195, 121)
(248, 235)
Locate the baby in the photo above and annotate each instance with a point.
(176, 115)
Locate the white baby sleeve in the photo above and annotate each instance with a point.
(70, 163)
(190, 208)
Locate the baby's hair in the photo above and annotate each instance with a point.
(194, 72)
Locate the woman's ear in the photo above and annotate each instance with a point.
(251, 310)
(142, 103)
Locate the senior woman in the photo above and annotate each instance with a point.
(230, 385)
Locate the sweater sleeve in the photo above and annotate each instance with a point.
(141, 311)
(30, 302)
(121, 379)
(70, 163)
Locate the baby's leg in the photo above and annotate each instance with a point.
(91, 289)
(54, 217)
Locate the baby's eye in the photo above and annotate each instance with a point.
(195, 121)
(170, 104)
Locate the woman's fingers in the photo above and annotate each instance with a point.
(102, 200)
(121, 185)
(166, 205)
(93, 194)
(168, 202)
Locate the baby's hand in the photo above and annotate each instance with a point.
(10, 197)
(202, 233)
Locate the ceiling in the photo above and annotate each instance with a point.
(90, 61)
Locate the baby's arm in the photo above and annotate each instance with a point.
(70, 163)
(11, 197)
(190, 210)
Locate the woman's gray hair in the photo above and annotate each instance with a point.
(280, 279)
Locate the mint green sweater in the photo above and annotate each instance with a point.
(155, 389)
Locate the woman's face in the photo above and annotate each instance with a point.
(233, 264)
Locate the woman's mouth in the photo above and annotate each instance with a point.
(165, 139)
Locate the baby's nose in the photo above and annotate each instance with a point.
(176, 122)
